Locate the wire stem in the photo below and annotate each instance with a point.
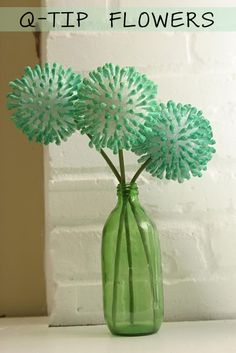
(140, 170)
(130, 263)
(149, 264)
(118, 243)
(117, 262)
(122, 166)
(111, 165)
(109, 162)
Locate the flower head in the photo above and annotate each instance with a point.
(178, 143)
(113, 104)
(44, 100)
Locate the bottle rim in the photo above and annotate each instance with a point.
(127, 187)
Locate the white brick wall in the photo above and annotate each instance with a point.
(196, 220)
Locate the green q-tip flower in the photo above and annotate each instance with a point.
(178, 144)
(44, 100)
(113, 104)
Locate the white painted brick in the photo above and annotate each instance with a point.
(76, 4)
(113, 4)
(223, 244)
(214, 52)
(64, 307)
(213, 298)
(77, 50)
(78, 304)
(175, 3)
(76, 154)
(202, 90)
(72, 259)
(195, 196)
(138, 3)
(82, 182)
(182, 243)
(90, 307)
(78, 207)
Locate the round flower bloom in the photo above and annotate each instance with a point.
(44, 100)
(113, 103)
(178, 142)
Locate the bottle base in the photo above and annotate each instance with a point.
(134, 330)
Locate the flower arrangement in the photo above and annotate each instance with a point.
(117, 109)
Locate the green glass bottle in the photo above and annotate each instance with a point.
(131, 268)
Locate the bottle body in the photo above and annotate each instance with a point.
(131, 268)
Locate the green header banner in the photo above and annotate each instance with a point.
(192, 19)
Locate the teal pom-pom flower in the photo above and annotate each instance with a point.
(113, 104)
(178, 142)
(44, 103)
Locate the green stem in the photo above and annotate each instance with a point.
(130, 264)
(111, 165)
(122, 166)
(119, 238)
(117, 263)
(139, 171)
(145, 246)
(109, 162)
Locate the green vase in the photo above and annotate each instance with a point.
(131, 268)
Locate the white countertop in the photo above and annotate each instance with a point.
(32, 335)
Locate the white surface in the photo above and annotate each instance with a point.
(33, 336)
(196, 219)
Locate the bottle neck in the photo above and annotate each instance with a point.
(127, 191)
